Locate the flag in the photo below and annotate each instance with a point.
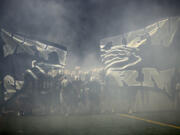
(50, 53)
(142, 57)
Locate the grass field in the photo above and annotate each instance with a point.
(101, 124)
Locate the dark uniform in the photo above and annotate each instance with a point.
(68, 97)
(94, 96)
(42, 90)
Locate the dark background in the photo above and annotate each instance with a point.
(80, 24)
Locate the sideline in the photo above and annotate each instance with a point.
(149, 121)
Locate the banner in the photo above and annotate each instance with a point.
(144, 57)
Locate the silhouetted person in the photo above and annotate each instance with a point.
(53, 58)
(1, 70)
(124, 40)
(108, 45)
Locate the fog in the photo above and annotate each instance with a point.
(105, 73)
(80, 25)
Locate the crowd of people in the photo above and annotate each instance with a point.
(73, 92)
(81, 91)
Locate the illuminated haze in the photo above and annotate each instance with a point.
(80, 24)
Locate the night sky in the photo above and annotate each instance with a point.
(80, 24)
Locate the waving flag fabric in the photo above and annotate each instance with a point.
(146, 47)
(144, 57)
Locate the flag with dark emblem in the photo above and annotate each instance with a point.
(144, 56)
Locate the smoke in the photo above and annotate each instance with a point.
(79, 25)
(56, 21)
